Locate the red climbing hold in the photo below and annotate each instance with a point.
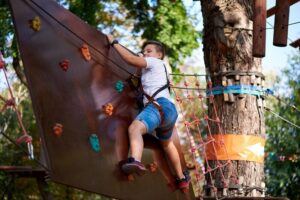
(64, 64)
(58, 129)
(2, 63)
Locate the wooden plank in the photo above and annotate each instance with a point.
(259, 28)
(281, 23)
(24, 171)
(248, 198)
(272, 10)
(296, 43)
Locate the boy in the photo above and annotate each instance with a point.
(159, 112)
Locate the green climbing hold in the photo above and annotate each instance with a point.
(94, 142)
(119, 86)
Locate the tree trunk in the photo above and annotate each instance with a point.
(228, 58)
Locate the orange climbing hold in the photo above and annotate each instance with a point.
(58, 129)
(152, 167)
(108, 109)
(85, 52)
(35, 23)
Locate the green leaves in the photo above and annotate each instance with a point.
(168, 22)
(283, 175)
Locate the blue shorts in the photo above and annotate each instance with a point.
(150, 116)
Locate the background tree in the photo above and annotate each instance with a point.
(228, 48)
(283, 144)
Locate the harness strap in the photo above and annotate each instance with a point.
(151, 98)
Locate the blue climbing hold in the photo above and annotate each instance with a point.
(119, 86)
(94, 142)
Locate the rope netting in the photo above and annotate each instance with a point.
(198, 133)
(10, 102)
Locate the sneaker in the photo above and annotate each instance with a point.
(133, 166)
(184, 182)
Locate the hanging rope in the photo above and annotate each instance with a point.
(24, 150)
(25, 137)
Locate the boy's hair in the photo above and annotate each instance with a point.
(158, 46)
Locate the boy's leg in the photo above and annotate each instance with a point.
(172, 153)
(136, 131)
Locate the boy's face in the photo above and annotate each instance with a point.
(150, 51)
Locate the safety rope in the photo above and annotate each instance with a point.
(82, 39)
(282, 118)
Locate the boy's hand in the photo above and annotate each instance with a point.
(110, 38)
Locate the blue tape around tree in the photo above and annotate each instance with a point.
(237, 89)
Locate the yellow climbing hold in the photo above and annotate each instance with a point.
(35, 23)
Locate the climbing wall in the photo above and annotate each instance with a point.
(83, 103)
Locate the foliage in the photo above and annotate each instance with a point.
(283, 144)
(6, 27)
(165, 21)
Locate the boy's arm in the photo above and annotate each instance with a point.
(131, 59)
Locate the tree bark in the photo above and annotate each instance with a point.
(227, 45)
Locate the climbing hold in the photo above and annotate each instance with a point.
(85, 52)
(134, 81)
(64, 64)
(120, 174)
(119, 86)
(58, 129)
(35, 23)
(152, 167)
(94, 142)
(108, 109)
(2, 64)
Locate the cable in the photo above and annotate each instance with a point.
(188, 88)
(175, 74)
(282, 118)
(56, 20)
(282, 101)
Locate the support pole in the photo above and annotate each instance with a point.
(281, 23)
(259, 28)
